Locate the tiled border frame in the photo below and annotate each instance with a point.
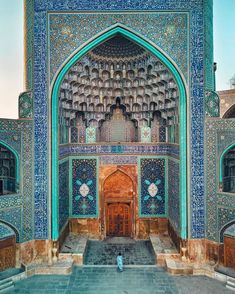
(195, 7)
(176, 160)
(61, 161)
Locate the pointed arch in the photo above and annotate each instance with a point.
(12, 228)
(223, 229)
(230, 113)
(151, 47)
(122, 176)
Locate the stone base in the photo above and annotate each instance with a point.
(176, 267)
(203, 251)
(163, 248)
(59, 268)
(33, 251)
(86, 227)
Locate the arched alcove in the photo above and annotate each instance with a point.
(163, 63)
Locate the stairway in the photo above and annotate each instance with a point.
(6, 285)
(230, 283)
(133, 252)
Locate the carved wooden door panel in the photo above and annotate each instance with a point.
(118, 219)
(229, 252)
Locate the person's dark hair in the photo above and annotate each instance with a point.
(119, 253)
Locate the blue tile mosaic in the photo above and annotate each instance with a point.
(174, 194)
(166, 149)
(12, 216)
(5, 232)
(18, 135)
(63, 193)
(71, 30)
(152, 187)
(84, 188)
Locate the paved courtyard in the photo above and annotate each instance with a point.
(106, 280)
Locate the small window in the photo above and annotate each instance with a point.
(7, 171)
(229, 171)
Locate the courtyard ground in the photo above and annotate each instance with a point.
(106, 280)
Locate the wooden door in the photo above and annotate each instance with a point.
(118, 219)
(229, 252)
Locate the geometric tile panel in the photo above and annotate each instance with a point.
(63, 193)
(74, 29)
(90, 135)
(212, 103)
(25, 105)
(146, 135)
(152, 187)
(74, 135)
(162, 134)
(174, 194)
(84, 188)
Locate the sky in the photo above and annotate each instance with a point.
(11, 51)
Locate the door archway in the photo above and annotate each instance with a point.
(118, 203)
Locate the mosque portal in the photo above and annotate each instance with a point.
(119, 135)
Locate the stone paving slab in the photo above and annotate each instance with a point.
(97, 280)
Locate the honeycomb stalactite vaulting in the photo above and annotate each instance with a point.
(118, 74)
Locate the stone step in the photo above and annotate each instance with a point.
(230, 288)
(230, 283)
(231, 280)
(105, 252)
(6, 285)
